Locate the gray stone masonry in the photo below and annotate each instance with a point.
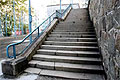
(105, 15)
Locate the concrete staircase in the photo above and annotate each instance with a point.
(70, 51)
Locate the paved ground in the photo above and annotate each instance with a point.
(49, 78)
(4, 41)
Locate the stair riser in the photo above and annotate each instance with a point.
(71, 40)
(67, 78)
(67, 31)
(77, 27)
(72, 36)
(74, 27)
(76, 21)
(45, 67)
(58, 68)
(70, 44)
(71, 33)
(87, 30)
(71, 49)
(68, 61)
(80, 70)
(69, 54)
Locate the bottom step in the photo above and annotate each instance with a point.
(66, 75)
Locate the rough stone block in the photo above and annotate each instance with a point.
(105, 15)
(14, 67)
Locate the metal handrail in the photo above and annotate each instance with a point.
(64, 10)
(37, 28)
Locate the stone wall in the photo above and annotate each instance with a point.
(105, 15)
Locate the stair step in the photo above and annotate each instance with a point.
(65, 75)
(72, 39)
(71, 23)
(57, 30)
(67, 67)
(72, 36)
(68, 28)
(70, 43)
(71, 48)
(75, 27)
(73, 33)
(76, 21)
(69, 53)
(67, 59)
(75, 24)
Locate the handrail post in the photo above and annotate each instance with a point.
(72, 3)
(22, 22)
(19, 25)
(60, 10)
(6, 23)
(11, 23)
(14, 18)
(38, 32)
(0, 26)
(7, 52)
(14, 52)
(30, 21)
(49, 20)
(56, 13)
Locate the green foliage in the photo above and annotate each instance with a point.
(8, 31)
(25, 27)
(6, 6)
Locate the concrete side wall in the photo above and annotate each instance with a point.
(105, 15)
(13, 67)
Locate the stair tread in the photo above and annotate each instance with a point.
(69, 52)
(67, 65)
(64, 74)
(71, 38)
(58, 30)
(33, 70)
(66, 57)
(72, 35)
(69, 46)
(72, 32)
(70, 42)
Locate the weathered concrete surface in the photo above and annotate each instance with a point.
(105, 15)
(13, 67)
(55, 62)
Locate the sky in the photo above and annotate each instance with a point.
(40, 6)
